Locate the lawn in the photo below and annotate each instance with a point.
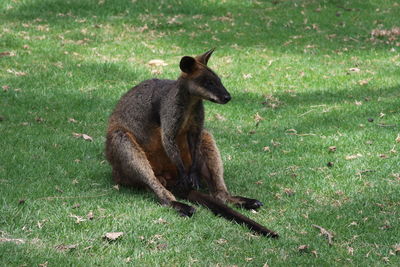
(313, 130)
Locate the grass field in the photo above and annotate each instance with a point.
(313, 130)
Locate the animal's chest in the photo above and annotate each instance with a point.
(186, 122)
(158, 157)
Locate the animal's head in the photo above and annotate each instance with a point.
(202, 81)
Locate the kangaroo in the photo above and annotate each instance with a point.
(156, 139)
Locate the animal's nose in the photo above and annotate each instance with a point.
(227, 98)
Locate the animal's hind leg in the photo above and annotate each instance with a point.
(131, 166)
(212, 171)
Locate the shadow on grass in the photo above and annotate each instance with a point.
(196, 24)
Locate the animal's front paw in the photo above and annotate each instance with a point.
(194, 180)
(248, 203)
(183, 209)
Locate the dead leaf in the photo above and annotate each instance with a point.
(289, 192)
(160, 221)
(358, 103)
(275, 143)
(221, 241)
(156, 71)
(350, 250)
(354, 69)
(84, 136)
(303, 248)
(7, 54)
(363, 82)
(155, 239)
(266, 149)
(39, 119)
(87, 137)
(116, 187)
(44, 264)
(162, 246)
(112, 236)
(59, 189)
(41, 223)
(219, 117)
(16, 73)
(258, 118)
(328, 235)
(63, 247)
(385, 227)
(143, 28)
(332, 149)
(247, 76)
(353, 224)
(157, 63)
(315, 253)
(79, 219)
(272, 101)
(248, 259)
(350, 157)
(90, 215)
(72, 120)
(287, 43)
(398, 138)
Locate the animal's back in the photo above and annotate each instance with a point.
(139, 109)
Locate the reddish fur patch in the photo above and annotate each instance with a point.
(159, 161)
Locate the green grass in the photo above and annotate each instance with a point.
(288, 61)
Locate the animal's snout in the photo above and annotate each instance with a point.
(226, 98)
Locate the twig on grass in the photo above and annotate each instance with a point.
(305, 113)
(324, 232)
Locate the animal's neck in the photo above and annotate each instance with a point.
(185, 97)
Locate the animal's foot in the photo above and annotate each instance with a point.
(183, 209)
(247, 203)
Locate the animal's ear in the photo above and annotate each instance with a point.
(205, 57)
(187, 64)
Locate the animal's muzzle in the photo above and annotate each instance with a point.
(225, 99)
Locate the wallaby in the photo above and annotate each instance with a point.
(156, 139)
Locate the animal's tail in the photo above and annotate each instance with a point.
(219, 208)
